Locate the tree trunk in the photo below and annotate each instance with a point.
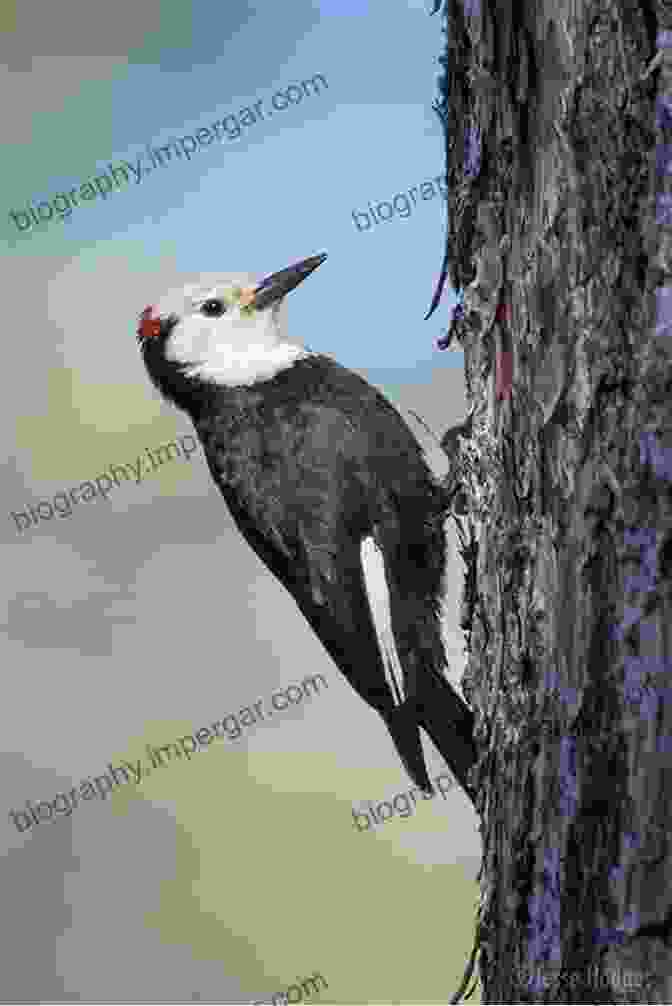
(560, 245)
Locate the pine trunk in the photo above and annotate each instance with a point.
(559, 242)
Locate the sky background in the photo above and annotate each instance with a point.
(143, 617)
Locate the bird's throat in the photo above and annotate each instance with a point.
(230, 368)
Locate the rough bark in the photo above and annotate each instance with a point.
(559, 243)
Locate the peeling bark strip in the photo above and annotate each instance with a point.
(558, 138)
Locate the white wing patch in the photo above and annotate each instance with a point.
(378, 594)
(435, 456)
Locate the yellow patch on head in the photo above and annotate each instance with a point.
(246, 299)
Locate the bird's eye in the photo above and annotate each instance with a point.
(213, 308)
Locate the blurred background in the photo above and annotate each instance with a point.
(144, 616)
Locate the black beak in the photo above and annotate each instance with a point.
(274, 287)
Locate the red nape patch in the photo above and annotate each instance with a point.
(149, 326)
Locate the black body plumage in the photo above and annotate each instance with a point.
(310, 462)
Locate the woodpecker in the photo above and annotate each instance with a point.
(330, 487)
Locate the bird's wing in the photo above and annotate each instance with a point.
(348, 470)
(378, 596)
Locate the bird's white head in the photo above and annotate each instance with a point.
(227, 328)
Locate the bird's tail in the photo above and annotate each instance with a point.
(439, 710)
(402, 722)
(450, 723)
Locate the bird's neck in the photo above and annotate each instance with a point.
(198, 393)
